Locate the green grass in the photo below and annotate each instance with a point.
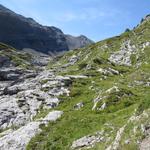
(132, 99)
(76, 124)
(19, 59)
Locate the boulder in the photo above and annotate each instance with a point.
(87, 141)
(73, 60)
(52, 116)
(18, 139)
(79, 106)
(122, 57)
(10, 73)
(4, 61)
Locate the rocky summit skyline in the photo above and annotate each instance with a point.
(21, 32)
(96, 97)
(97, 19)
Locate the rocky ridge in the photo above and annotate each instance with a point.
(27, 33)
(101, 91)
(23, 93)
(18, 139)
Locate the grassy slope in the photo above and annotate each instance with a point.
(78, 123)
(19, 59)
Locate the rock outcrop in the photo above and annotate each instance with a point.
(23, 93)
(18, 139)
(123, 57)
(88, 141)
(76, 42)
(22, 101)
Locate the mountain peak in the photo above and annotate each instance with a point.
(27, 33)
(4, 9)
(146, 18)
(76, 42)
(83, 37)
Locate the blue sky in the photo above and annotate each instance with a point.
(97, 19)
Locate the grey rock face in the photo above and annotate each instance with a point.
(21, 32)
(10, 73)
(145, 145)
(22, 95)
(21, 99)
(4, 61)
(52, 116)
(18, 139)
(38, 58)
(146, 18)
(122, 57)
(87, 141)
(108, 71)
(77, 42)
(73, 60)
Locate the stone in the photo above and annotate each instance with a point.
(103, 71)
(77, 76)
(10, 113)
(5, 132)
(96, 100)
(73, 59)
(79, 106)
(122, 57)
(115, 144)
(52, 116)
(11, 90)
(25, 97)
(18, 139)
(108, 71)
(51, 102)
(4, 61)
(103, 106)
(148, 84)
(86, 142)
(40, 98)
(53, 39)
(10, 73)
(145, 144)
(113, 71)
(127, 141)
(114, 88)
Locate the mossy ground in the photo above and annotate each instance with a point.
(19, 59)
(132, 99)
